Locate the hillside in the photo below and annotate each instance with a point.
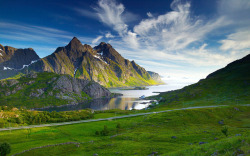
(13, 60)
(229, 85)
(45, 89)
(102, 64)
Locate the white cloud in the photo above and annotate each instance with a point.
(150, 14)
(236, 41)
(109, 35)
(131, 39)
(110, 13)
(176, 29)
(97, 39)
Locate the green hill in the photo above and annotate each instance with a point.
(229, 85)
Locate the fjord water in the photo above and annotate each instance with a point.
(129, 100)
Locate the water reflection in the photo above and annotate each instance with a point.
(104, 104)
(129, 100)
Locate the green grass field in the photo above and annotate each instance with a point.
(171, 133)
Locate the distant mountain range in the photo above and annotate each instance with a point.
(229, 85)
(102, 64)
(14, 60)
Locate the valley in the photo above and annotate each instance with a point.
(124, 78)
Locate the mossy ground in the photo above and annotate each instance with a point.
(144, 135)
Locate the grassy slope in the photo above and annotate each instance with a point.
(144, 135)
(230, 85)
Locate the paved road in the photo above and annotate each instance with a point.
(103, 119)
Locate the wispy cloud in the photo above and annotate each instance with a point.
(110, 13)
(236, 41)
(113, 15)
(97, 39)
(36, 36)
(176, 29)
(150, 14)
(109, 35)
(86, 13)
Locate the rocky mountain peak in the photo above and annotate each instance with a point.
(74, 44)
(103, 46)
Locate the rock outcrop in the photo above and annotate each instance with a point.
(38, 87)
(155, 76)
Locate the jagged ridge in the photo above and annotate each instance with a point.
(102, 64)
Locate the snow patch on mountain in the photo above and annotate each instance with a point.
(8, 68)
(100, 58)
(75, 72)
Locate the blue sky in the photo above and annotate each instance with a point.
(183, 40)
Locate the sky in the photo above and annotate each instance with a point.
(182, 40)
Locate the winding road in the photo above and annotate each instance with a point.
(103, 119)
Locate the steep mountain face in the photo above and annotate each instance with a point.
(43, 89)
(155, 76)
(229, 85)
(13, 60)
(102, 64)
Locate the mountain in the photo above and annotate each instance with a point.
(13, 60)
(155, 76)
(102, 64)
(229, 85)
(44, 89)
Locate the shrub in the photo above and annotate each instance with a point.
(105, 131)
(118, 126)
(97, 133)
(4, 149)
(224, 130)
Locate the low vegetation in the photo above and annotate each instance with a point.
(13, 117)
(184, 132)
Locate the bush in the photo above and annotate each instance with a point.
(118, 126)
(97, 133)
(105, 131)
(4, 149)
(224, 130)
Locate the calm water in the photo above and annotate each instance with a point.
(129, 100)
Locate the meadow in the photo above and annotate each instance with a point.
(182, 132)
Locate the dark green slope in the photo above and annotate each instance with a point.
(229, 85)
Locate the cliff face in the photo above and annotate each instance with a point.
(102, 64)
(155, 76)
(48, 88)
(13, 60)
